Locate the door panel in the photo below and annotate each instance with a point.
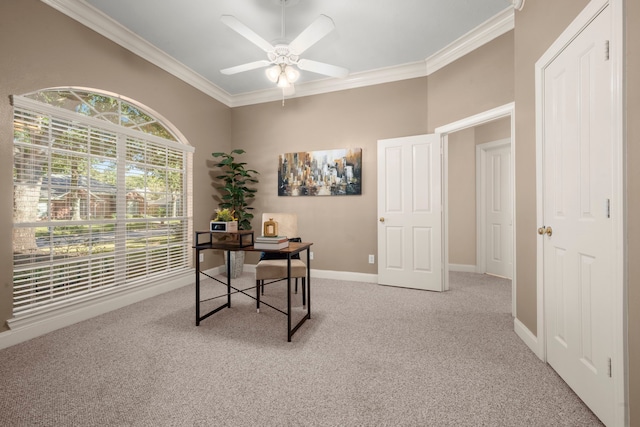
(409, 212)
(423, 243)
(393, 259)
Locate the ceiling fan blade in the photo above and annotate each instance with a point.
(322, 68)
(245, 67)
(319, 28)
(233, 23)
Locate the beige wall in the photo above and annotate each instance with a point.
(462, 197)
(493, 131)
(477, 82)
(633, 199)
(462, 187)
(58, 51)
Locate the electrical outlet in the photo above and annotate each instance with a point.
(372, 259)
(201, 257)
(310, 255)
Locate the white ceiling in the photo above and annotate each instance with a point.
(372, 37)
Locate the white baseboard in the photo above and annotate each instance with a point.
(463, 268)
(331, 274)
(26, 328)
(345, 275)
(528, 337)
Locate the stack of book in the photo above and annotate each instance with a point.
(271, 243)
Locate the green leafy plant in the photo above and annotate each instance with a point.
(236, 189)
(225, 215)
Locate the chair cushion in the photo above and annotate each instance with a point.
(277, 269)
(275, 255)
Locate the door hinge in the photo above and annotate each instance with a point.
(608, 208)
(606, 50)
(609, 367)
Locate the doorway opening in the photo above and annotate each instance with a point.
(492, 122)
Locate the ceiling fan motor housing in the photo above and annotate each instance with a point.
(281, 54)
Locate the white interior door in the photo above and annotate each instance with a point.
(577, 231)
(495, 192)
(410, 212)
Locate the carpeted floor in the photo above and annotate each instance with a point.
(370, 356)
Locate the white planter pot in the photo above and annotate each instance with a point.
(237, 263)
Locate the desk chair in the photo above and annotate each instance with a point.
(273, 266)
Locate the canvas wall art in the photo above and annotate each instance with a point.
(320, 173)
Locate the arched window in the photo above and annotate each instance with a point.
(101, 198)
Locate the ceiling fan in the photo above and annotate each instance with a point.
(284, 58)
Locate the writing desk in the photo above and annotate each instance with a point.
(244, 242)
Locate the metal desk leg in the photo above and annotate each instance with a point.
(258, 283)
(308, 284)
(289, 297)
(229, 279)
(197, 287)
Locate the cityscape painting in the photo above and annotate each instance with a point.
(320, 173)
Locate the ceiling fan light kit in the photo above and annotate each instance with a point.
(283, 75)
(285, 58)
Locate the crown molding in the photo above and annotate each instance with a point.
(102, 24)
(494, 27)
(352, 81)
(518, 5)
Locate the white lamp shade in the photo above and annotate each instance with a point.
(291, 73)
(282, 81)
(273, 73)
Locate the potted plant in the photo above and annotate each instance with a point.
(225, 221)
(236, 192)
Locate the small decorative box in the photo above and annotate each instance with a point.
(224, 226)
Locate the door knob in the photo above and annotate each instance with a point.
(545, 230)
(381, 219)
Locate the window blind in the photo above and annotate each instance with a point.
(98, 208)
